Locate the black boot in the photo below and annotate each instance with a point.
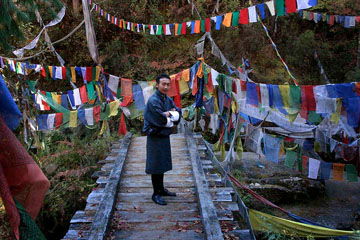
(166, 192)
(158, 199)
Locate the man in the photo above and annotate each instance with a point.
(160, 116)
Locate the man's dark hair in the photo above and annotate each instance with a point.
(163, 75)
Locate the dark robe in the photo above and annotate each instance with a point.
(158, 149)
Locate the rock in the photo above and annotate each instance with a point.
(51, 168)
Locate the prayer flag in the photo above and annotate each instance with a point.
(89, 116)
(70, 94)
(183, 28)
(50, 121)
(113, 84)
(244, 16)
(58, 119)
(202, 25)
(96, 112)
(122, 125)
(338, 171)
(197, 26)
(77, 97)
(325, 170)
(218, 22)
(73, 74)
(207, 24)
(73, 119)
(227, 19)
(114, 106)
(314, 166)
(83, 94)
(235, 19)
(290, 159)
(290, 6)
(271, 7)
(252, 14)
(167, 29)
(280, 7)
(261, 8)
(351, 173)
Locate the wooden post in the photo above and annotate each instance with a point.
(75, 4)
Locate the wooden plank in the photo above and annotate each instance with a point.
(207, 209)
(102, 218)
(157, 216)
(158, 234)
(151, 207)
(173, 225)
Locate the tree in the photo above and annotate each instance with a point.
(14, 13)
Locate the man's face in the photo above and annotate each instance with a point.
(163, 85)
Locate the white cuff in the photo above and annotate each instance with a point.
(174, 116)
(169, 123)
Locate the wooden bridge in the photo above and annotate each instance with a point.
(206, 206)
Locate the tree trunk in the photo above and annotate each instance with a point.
(358, 53)
(75, 4)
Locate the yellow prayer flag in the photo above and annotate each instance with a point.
(114, 106)
(185, 75)
(50, 71)
(285, 95)
(183, 86)
(176, 29)
(73, 74)
(97, 73)
(227, 19)
(73, 119)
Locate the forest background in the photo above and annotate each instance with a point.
(143, 56)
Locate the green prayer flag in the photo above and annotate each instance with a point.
(91, 91)
(314, 117)
(295, 97)
(159, 29)
(104, 114)
(235, 19)
(290, 159)
(179, 29)
(31, 85)
(280, 7)
(202, 25)
(351, 173)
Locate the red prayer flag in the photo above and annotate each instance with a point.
(88, 74)
(332, 20)
(96, 113)
(244, 16)
(63, 69)
(42, 72)
(308, 102)
(83, 94)
(290, 6)
(183, 28)
(210, 85)
(122, 125)
(207, 24)
(58, 119)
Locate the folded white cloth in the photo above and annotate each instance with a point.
(169, 123)
(174, 116)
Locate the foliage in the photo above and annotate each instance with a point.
(15, 13)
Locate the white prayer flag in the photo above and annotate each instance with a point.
(113, 84)
(77, 97)
(50, 121)
(314, 166)
(252, 14)
(89, 116)
(271, 7)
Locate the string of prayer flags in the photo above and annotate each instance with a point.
(345, 21)
(88, 74)
(230, 19)
(85, 116)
